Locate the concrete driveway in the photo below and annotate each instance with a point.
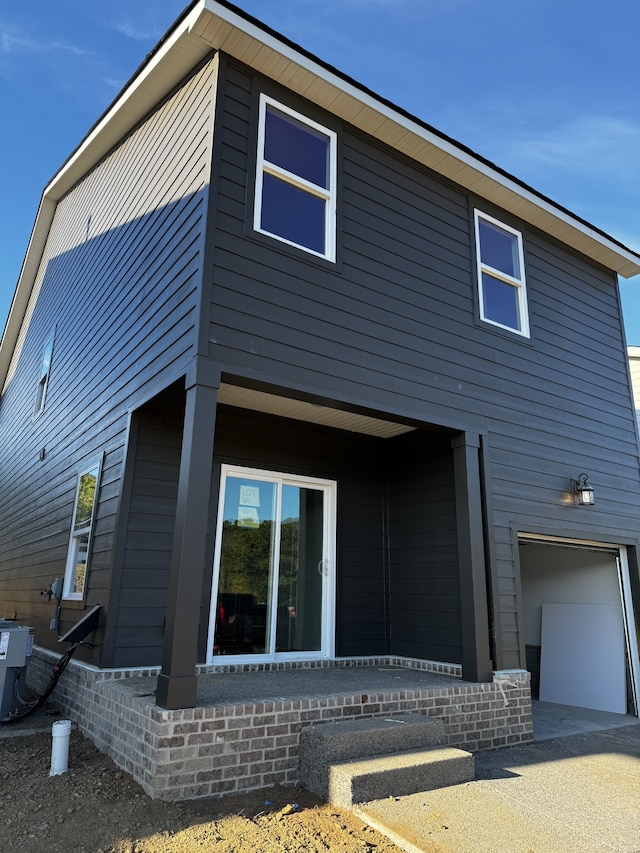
(577, 794)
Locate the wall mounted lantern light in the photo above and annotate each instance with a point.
(583, 491)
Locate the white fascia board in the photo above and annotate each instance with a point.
(164, 70)
(27, 277)
(454, 162)
(211, 25)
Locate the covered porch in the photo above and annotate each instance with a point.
(400, 561)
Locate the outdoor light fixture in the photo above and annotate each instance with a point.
(583, 490)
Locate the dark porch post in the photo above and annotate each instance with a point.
(476, 654)
(177, 681)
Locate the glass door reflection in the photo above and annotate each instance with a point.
(271, 568)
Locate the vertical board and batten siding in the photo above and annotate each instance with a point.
(393, 327)
(119, 280)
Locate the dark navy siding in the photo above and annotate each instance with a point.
(424, 583)
(120, 281)
(386, 536)
(139, 599)
(393, 327)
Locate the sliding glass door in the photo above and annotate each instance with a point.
(273, 572)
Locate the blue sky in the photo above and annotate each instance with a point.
(547, 89)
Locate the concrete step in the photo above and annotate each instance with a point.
(327, 744)
(398, 775)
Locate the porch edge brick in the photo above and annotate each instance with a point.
(234, 748)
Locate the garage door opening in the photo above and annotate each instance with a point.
(579, 629)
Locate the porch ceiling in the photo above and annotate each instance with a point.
(285, 407)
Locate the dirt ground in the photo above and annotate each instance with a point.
(96, 808)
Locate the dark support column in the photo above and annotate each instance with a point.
(177, 681)
(476, 654)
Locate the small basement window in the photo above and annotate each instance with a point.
(295, 195)
(501, 280)
(83, 515)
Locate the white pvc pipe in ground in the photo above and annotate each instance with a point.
(60, 747)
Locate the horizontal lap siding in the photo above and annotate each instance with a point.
(393, 326)
(144, 581)
(297, 316)
(424, 586)
(578, 363)
(119, 279)
(362, 607)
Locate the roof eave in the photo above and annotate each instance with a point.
(211, 25)
(226, 28)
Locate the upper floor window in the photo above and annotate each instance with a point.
(43, 379)
(295, 197)
(83, 513)
(501, 279)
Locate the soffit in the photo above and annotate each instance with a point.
(259, 401)
(227, 31)
(210, 25)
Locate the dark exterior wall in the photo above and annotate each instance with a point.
(397, 585)
(424, 579)
(397, 589)
(139, 588)
(119, 280)
(394, 327)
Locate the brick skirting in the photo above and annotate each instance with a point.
(230, 748)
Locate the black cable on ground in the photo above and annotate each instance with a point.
(58, 668)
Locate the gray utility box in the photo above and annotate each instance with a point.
(16, 646)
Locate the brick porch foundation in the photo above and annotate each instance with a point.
(237, 746)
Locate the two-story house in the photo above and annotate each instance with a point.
(292, 378)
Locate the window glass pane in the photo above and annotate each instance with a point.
(246, 567)
(499, 249)
(299, 620)
(297, 148)
(46, 358)
(500, 302)
(80, 562)
(293, 214)
(86, 498)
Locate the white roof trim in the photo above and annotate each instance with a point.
(210, 25)
(445, 156)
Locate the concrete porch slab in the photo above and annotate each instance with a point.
(244, 732)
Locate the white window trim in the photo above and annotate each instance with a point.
(519, 284)
(45, 372)
(68, 593)
(329, 194)
(329, 487)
